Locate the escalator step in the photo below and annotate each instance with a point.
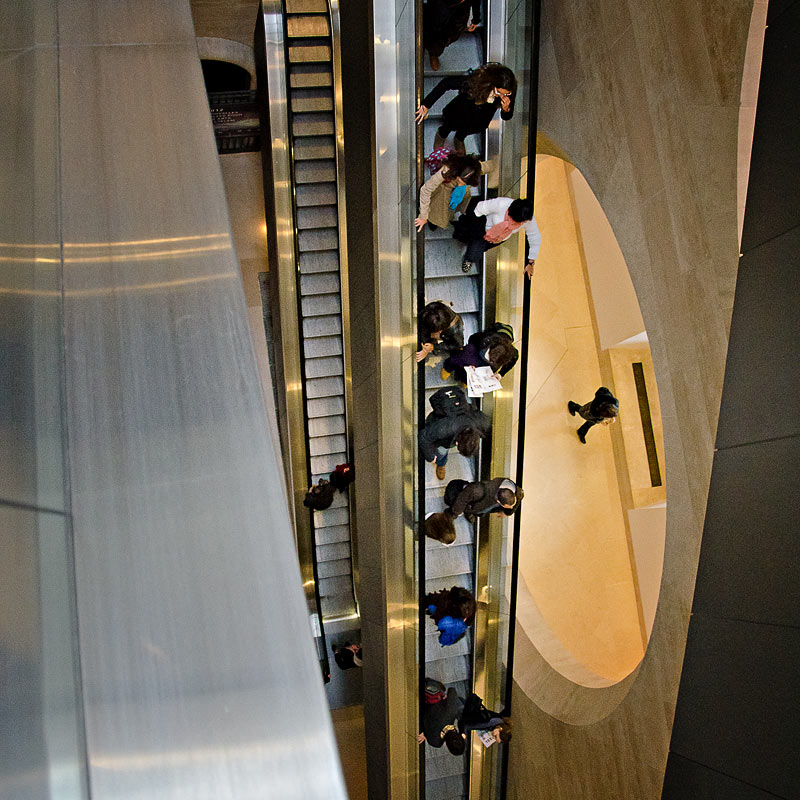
(333, 552)
(434, 651)
(324, 407)
(317, 217)
(327, 463)
(339, 584)
(324, 367)
(325, 261)
(324, 387)
(323, 194)
(325, 445)
(306, 6)
(441, 766)
(327, 426)
(305, 75)
(312, 52)
(338, 605)
(322, 326)
(443, 259)
(461, 292)
(330, 569)
(451, 788)
(454, 561)
(333, 534)
(434, 584)
(319, 283)
(311, 147)
(323, 171)
(316, 240)
(320, 305)
(307, 26)
(312, 124)
(307, 100)
(322, 346)
(331, 517)
(450, 670)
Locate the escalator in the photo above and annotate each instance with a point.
(445, 567)
(308, 285)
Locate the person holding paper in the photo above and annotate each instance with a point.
(476, 717)
(497, 496)
(440, 719)
(492, 347)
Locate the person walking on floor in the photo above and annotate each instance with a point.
(453, 422)
(443, 22)
(493, 222)
(480, 94)
(603, 409)
(497, 496)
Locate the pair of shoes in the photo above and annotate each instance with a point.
(459, 146)
(444, 374)
(467, 265)
(435, 63)
(440, 472)
(438, 140)
(581, 437)
(572, 408)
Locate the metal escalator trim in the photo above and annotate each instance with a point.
(288, 299)
(344, 283)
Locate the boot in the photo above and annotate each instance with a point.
(440, 472)
(435, 63)
(438, 140)
(459, 146)
(572, 408)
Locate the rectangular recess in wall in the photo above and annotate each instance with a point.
(647, 423)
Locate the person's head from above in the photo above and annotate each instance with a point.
(521, 210)
(507, 498)
(502, 732)
(454, 741)
(607, 410)
(501, 354)
(464, 170)
(491, 81)
(440, 527)
(436, 317)
(462, 603)
(467, 442)
(320, 497)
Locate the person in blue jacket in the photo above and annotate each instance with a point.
(453, 611)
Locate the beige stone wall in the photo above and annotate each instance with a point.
(643, 97)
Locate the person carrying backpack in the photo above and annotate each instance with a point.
(454, 422)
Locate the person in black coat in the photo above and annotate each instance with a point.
(603, 409)
(476, 717)
(490, 348)
(441, 330)
(461, 426)
(480, 94)
(439, 721)
(444, 21)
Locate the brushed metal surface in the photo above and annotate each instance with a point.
(200, 677)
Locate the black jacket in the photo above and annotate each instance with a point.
(437, 715)
(442, 431)
(590, 411)
(462, 113)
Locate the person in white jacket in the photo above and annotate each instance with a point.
(504, 217)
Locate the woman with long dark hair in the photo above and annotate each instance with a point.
(453, 610)
(447, 191)
(480, 94)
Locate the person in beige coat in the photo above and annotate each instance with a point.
(448, 190)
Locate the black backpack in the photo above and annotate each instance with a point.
(450, 401)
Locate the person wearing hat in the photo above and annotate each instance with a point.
(493, 347)
(602, 410)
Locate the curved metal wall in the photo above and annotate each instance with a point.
(198, 672)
